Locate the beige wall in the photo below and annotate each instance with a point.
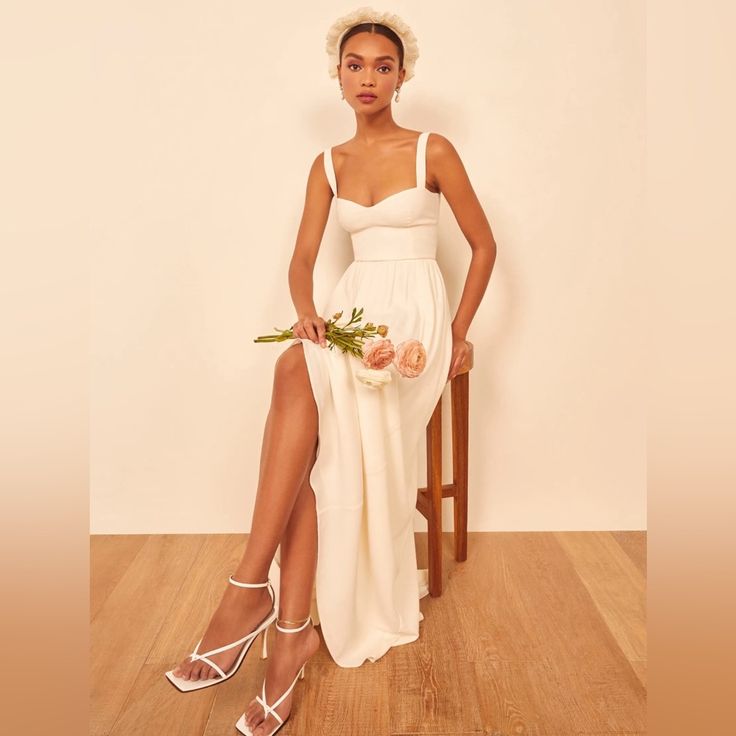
(209, 123)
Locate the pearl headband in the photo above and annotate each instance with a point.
(368, 15)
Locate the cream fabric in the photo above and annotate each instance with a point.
(365, 478)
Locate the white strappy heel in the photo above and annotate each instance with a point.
(241, 725)
(187, 685)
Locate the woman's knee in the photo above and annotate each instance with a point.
(290, 372)
(291, 361)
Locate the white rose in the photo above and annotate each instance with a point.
(373, 378)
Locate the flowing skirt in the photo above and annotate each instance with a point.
(365, 476)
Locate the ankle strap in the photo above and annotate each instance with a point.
(307, 621)
(248, 585)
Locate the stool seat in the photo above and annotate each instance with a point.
(429, 498)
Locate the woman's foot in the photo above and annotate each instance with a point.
(286, 655)
(240, 611)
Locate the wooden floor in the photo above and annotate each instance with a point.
(535, 634)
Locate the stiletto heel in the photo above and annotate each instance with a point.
(264, 648)
(242, 726)
(188, 685)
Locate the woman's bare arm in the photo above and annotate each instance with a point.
(308, 240)
(452, 180)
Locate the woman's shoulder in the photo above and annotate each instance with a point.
(440, 151)
(439, 142)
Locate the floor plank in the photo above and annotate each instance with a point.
(112, 555)
(634, 543)
(127, 625)
(546, 661)
(615, 584)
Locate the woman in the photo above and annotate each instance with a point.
(339, 459)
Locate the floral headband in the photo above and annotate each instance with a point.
(369, 15)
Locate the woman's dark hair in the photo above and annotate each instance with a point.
(374, 28)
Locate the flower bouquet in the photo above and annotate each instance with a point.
(370, 344)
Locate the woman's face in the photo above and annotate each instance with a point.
(370, 66)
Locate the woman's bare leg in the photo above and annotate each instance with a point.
(287, 454)
(287, 652)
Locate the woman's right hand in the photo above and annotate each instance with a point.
(310, 327)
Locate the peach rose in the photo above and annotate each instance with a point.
(411, 357)
(378, 354)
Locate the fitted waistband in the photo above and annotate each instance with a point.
(395, 244)
(370, 260)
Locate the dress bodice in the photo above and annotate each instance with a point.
(400, 226)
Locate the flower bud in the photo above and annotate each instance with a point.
(382, 330)
(373, 378)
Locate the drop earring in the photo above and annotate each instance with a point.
(396, 99)
(342, 93)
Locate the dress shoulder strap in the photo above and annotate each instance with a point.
(330, 170)
(421, 163)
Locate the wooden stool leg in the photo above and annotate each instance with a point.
(434, 493)
(460, 402)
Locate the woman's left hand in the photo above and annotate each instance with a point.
(460, 353)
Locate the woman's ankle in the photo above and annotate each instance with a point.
(292, 623)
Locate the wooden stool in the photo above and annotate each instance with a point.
(429, 499)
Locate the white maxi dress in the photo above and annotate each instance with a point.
(365, 477)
